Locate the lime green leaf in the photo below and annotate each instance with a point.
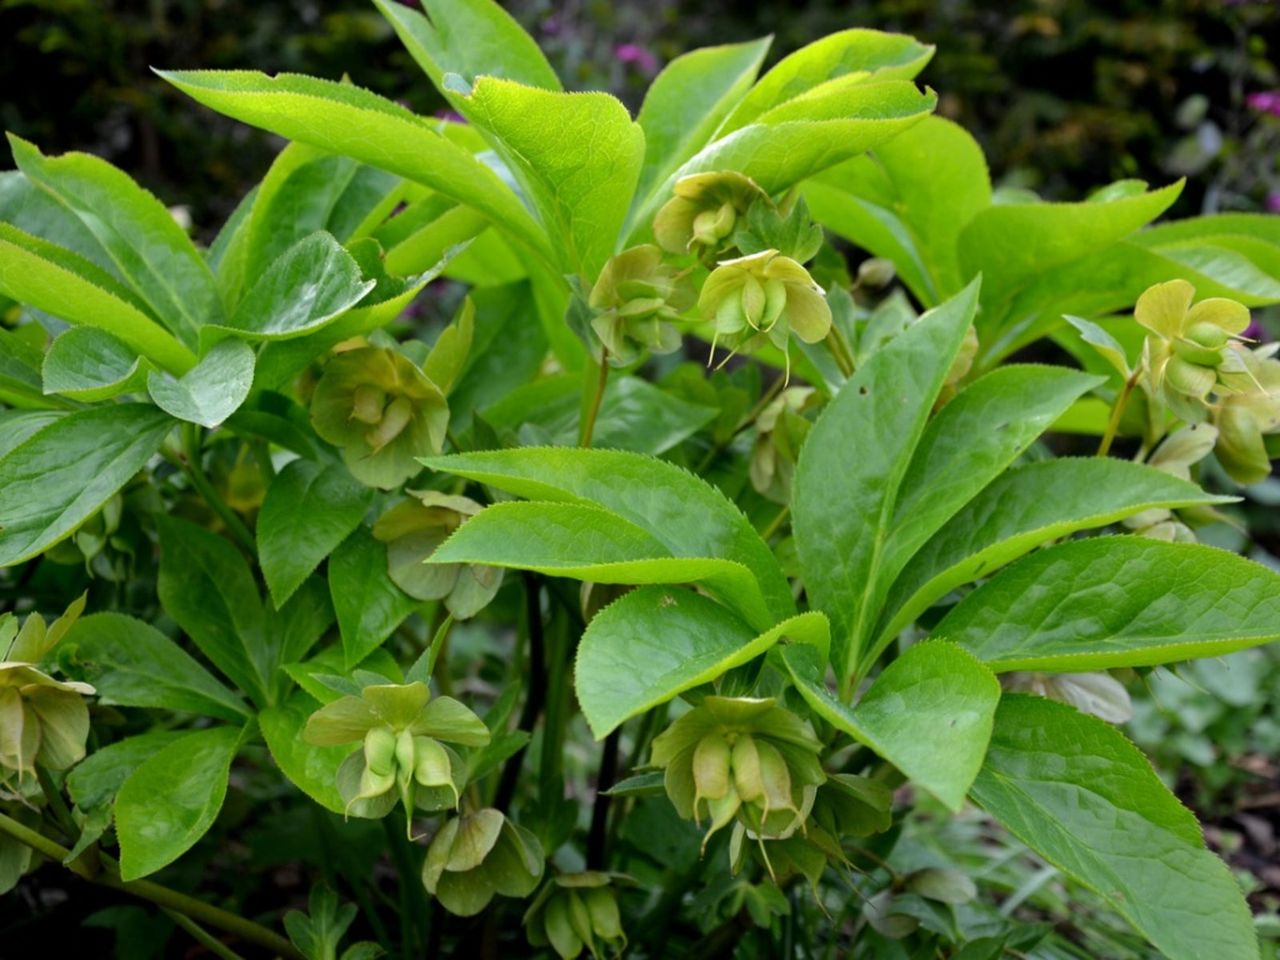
(577, 156)
(852, 465)
(309, 509)
(588, 543)
(171, 800)
(98, 777)
(684, 513)
(657, 642)
(929, 713)
(850, 53)
(1117, 602)
(146, 245)
(53, 279)
(89, 364)
(368, 604)
(313, 770)
(210, 391)
(61, 475)
(343, 119)
(37, 212)
(1073, 789)
(133, 664)
(21, 384)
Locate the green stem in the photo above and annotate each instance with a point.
(776, 523)
(840, 350)
(593, 411)
(202, 936)
(195, 469)
(766, 398)
(161, 896)
(1117, 411)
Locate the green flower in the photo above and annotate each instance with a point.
(576, 912)
(741, 758)
(1188, 346)
(412, 530)
(402, 733)
(42, 720)
(702, 215)
(764, 297)
(780, 430)
(382, 411)
(635, 300)
(478, 856)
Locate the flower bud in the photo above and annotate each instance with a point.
(478, 856)
(576, 912)
(780, 432)
(701, 216)
(636, 300)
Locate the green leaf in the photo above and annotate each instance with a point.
(1117, 602)
(307, 287)
(312, 769)
(170, 801)
(577, 156)
(309, 509)
(37, 212)
(146, 245)
(1022, 509)
(210, 391)
(89, 364)
(340, 118)
(97, 778)
(57, 281)
(684, 513)
(657, 642)
(62, 474)
(589, 543)
(470, 38)
(206, 586)
(20, 379)
(853, 463)
(368, 604)
(132, 664)
(929, 713)
(1073, 789)
(688, 101)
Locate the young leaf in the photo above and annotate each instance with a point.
(210, 391)
(1022, 509)
(657, 642)
(136, 231)
(1117, 602)
(89, 364)
(687, 515)
(368, 604)
(170, 801)
(309, 509)
(133, 664)
(853, 463)
(589, 543)
(929, 713)
(62, 474)
(1072, 788)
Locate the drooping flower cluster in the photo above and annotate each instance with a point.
(575, 912)
(636, 301)
(480, 855)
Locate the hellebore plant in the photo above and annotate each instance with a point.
(839, 600)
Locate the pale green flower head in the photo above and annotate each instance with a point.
(577, 912)
(636, 301)
(382, 411)
(480, 855)
(702, 215)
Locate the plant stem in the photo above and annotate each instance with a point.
(593, 411)
(202, 936)
(776, 523)
(840, 350)
(1117, 410)
(195, 469)
(161, 896)
(766, 398)
(537, 687)
(600, 809)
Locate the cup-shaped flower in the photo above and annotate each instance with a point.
(403, 757)
(701, 216)
(742, 758)
(1248, 412)
(780, 430)
(480, 855)
(382, 411)
(575, 912)
(412, 530)
(764, 297)
(635, 302)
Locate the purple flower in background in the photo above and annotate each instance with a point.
(551, 25)
(453, 116)
(1265, 101)
(640, 57)
(1273, 203)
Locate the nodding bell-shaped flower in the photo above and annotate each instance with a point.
(480, 855)
(403, 756)
(635, 301)
(575, 912)
(42, 720)
(1188, 346)
(780, 430)
(764, 297)
(741, 758)
(382, 411)
(704, 212)
(413, 530)
(1248, 412)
